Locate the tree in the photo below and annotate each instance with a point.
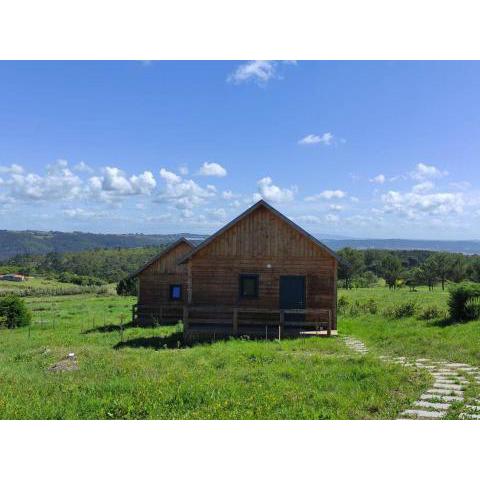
(351, 264)
(414, 278)
(430, 272)
(391, 268)
(127, 286)
(15, 311)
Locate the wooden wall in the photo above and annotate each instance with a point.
(263, 244)
(154, 282)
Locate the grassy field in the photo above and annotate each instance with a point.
(411, 336)
(149, 374)
(40, 286)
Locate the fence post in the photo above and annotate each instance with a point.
(281, 325)
(235, 321)
(329, 326)
(185, 318)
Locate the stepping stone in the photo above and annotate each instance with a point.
(423, 360)
(456, 365)
(443, 398)
(469, 416)
(433, 405)
(442, 391)
(451, 382)
(468, 369)
(475, 408)
(448, 386)
(424, 413)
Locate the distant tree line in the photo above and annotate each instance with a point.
(91, 267)
(363, 268)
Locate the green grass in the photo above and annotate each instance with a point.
(411, 336)
(150, 375)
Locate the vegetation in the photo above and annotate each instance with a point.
(464, 302)
(14, 312)
(148, 373)
(127, 286)
(412, 336)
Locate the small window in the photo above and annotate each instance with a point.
(249, 286)
(175, 292)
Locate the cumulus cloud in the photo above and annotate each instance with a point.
(272, 193)
(82, 167)
(415, 205)
(259, 72)
(326, 195)
(212, 170)
(13, 168)
(181, 193)
(423, 171)
(115, 182)
(423, 187)
(82, 214)
(58, 183)
(183, 170)
(312, 139)
(380, 179)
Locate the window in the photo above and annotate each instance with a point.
(175, 292)
(248, 286)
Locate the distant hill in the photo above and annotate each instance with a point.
(31, 242)
(468, 247)
(36, 242)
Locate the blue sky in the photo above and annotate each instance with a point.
(366, 149)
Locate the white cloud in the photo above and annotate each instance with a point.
(257, 71)
(82, 167)
(58, 183)
(212, 170)
(114, 182)
(309, 219)
(331, 218)
(182, 194)
(423, 187)
(169, 177)
(272, 193)
(229, 195)
(415, 205)
(326, 195)
(312, 139)
(380, 179)
(335, 207)
(218, 214)
(13, 168)
(183, 170)
(464, 185)
(82, 214)
(423, 171)
(354, 199)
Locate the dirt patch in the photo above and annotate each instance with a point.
(68, 364)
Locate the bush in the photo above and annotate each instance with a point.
(82, 280)
(127, 286)
(431, 312)
(358, 308)
(464, 302)
(15, 312)
(402, 310)
(342, 303)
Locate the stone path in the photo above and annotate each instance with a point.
(448, 390)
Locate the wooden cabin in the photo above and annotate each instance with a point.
(260, 275)
(162, 286)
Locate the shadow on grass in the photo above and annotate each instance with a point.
(173, 341)
(110, 328)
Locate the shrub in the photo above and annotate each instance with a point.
(82, 280)
(15, 312)
(342, 303)
(431, 312)
(371, 306)
(357, 308)
(127, 286)
(464, 302)
(401, 310)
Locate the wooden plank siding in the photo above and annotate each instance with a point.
(261, 243)
(154, 286)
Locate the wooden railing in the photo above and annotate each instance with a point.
(235, 318)
(231, 316)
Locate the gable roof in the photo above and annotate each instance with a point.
(169, 248)
(260, 203)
